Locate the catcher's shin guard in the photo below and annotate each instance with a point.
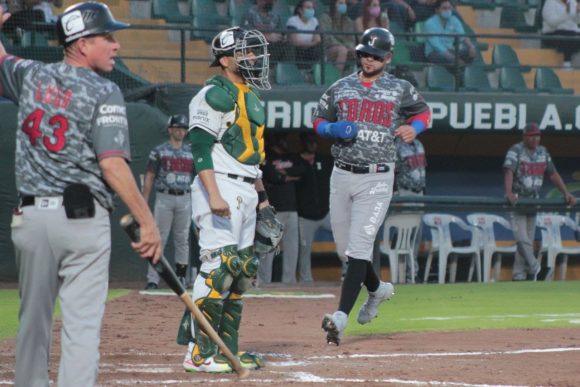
(204, 346)
(233, 304)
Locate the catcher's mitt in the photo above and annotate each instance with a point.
(269, 231)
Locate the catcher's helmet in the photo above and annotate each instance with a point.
(376, 41)
(250, 49)
(178, 121)
(84, 19)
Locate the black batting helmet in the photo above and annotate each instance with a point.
(376, 41)
(84, 19)
(178, 121)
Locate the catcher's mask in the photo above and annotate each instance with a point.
(250, 49)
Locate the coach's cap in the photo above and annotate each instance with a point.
(532, 129)
(178, 121)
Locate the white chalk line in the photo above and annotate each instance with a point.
(298, 376)
(544, 316)
(251, 295)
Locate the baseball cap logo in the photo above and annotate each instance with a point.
(72, 23)
(372, 40)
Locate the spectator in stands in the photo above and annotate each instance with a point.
(263, 18)
(424, 9)
(46, 8)
(312, 196)
(526, 163)
(307, 46)
(400, 12)
(371, 16)
(441, 49)
(338, 48)
(281, 170)
(353, 9)
(561, 18)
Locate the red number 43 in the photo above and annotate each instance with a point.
(59, 123)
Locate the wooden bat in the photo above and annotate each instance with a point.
(166, 272)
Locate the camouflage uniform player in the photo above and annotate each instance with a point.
(524, 167)
(72, 148)
(365, 111)
(226, 131)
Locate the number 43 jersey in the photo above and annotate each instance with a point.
(69, 118)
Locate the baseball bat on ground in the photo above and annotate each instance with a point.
(166, 272)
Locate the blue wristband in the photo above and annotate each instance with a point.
(323, 129)
(419, 126)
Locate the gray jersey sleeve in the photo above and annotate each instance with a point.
(325, 108)
(12, 73)
(110, 129)
(412, 103)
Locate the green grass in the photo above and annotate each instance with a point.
(9, 302)
(474, 306)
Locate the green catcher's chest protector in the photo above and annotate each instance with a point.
(244, 138)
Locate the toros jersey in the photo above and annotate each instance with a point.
(377, 110)
(529, 168)
(69, 118)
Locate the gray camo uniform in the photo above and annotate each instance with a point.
(359, 201)
(69, 118)
(173, 169)
(529, 168)
(410, 168)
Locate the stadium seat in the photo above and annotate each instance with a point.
(288, 74)
(475, 79)
(546, 80)
(124, 77)
(505, 56)
(511, 3)
(513, 17)
(484, 223)
(479, 4)
(207, 21)
(552, 245)
(439, 79)
(400, 234)
(168, 10)
(331, 74)
(442, 243)
(34, 39)
(512, 80)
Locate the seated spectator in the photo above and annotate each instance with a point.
(424, 9)
(400, 12)
(261, 17)
(307, 46)
(353, 9)
(440, 49)
(371, 16)
(561, 18)
(46, 8)
(338, 48)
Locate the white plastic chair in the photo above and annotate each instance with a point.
(442, 243)
(406, 229)
(551, 225)
(487, 243)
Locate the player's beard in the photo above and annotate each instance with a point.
(372, 74)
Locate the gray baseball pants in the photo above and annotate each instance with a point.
(172, 214)
(289, 251)
(524, 229)
(307, 230)
(68, 258)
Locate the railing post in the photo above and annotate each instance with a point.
(456, 62)
(182, 53)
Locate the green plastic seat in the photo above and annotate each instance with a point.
(546, 80)
(288, 74)
(168, 10)
(34, 39)
(479, 4)
(438, 78)
(237, 9)
(331, 74)
(207, 21)
(475, 79)
(512, 80)
(513, 17)
(505, 56)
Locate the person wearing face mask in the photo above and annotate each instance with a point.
(338, 48)
(371, 16)
(440, 49)
(307, 45)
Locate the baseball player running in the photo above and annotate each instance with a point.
(226, 121)
(72, 149)
(365, 111)
(170, 172)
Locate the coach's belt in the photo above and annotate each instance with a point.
(245, 179)
(356, 168)
(47, 202)
(176, 192)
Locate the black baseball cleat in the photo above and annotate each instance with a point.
(151, 286)
(334, 324)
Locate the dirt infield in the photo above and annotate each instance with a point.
(138, 348)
